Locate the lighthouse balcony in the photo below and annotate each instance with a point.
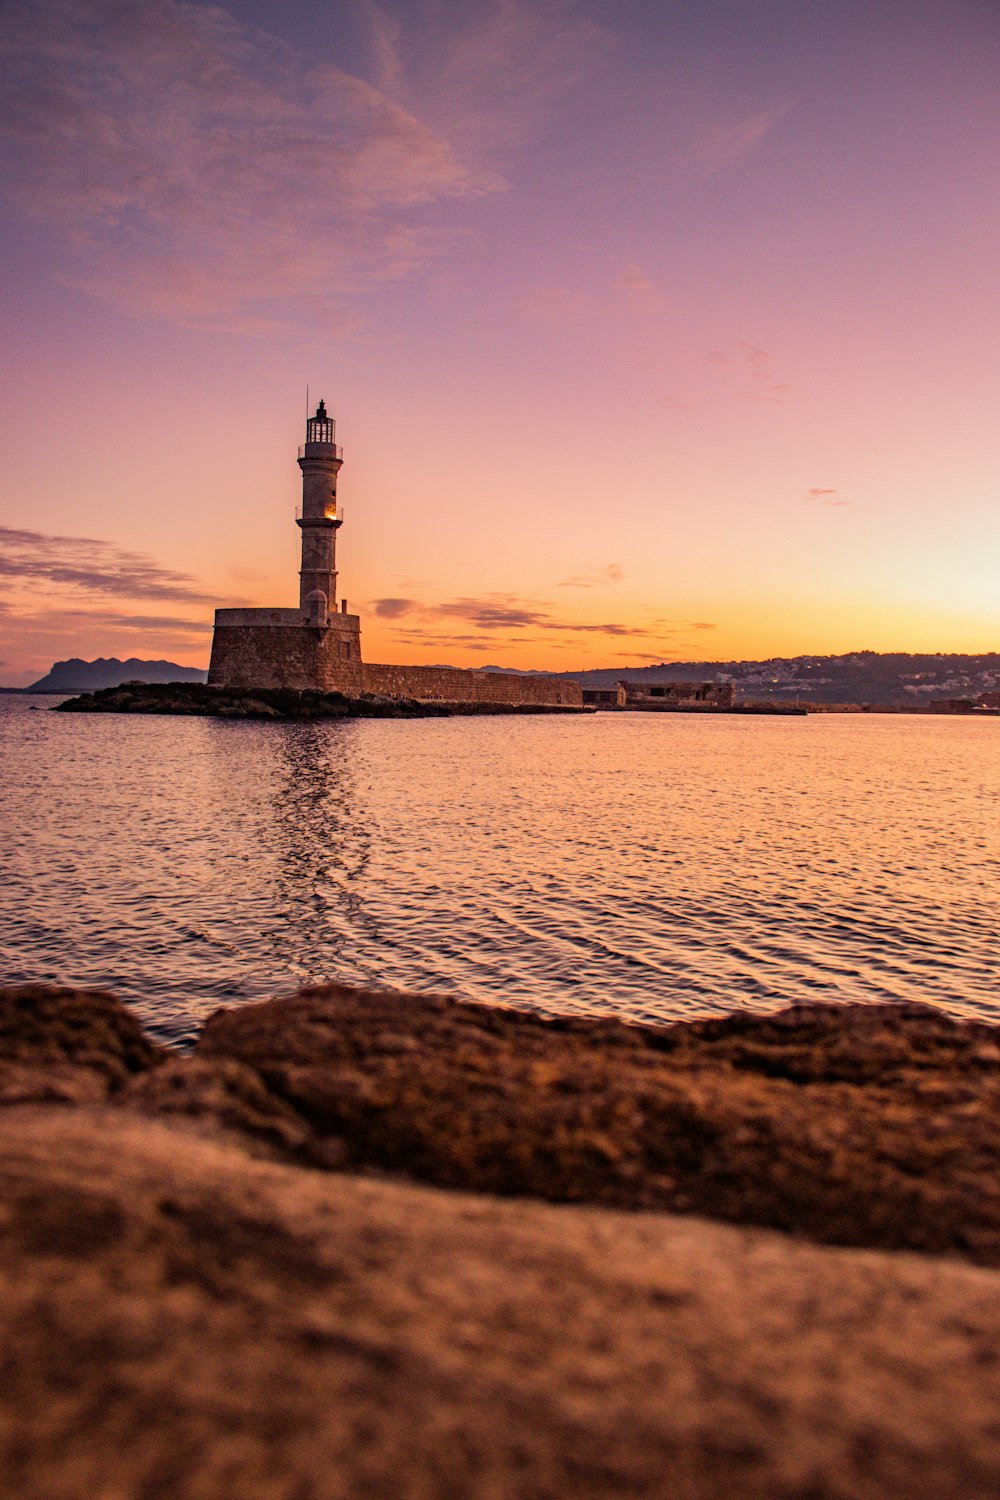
(330, 515)
(322, 450)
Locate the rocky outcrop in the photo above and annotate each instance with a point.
(199, 701)
(852, 1125)
(69, 1046)
(179, 1321)
(189, 1310)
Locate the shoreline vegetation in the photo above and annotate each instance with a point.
(359, 1242)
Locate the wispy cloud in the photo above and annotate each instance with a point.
(144, 624)
(489, 73)
(90, 566)
(498, 612)
(612, 573)
(199, 170)
(722, 145)
(491, 614)
(45, 634)
(204, 172)
(393, 609)
(752, 372)
(826, 497)
(639, 291)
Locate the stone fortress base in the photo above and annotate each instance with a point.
(273, 648)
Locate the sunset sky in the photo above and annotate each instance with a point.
(653, 331)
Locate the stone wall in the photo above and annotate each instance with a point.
(453, 685)
(271, 648)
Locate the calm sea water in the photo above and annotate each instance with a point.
(644, 866)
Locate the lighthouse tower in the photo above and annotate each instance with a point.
(315, 647)
(319, 519)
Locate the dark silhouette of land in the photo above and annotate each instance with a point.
(77, 676)
(894, 679)
(197, 700)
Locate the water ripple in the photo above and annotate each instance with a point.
(635, 865)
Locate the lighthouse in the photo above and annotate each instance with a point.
(317, 645)
(319, 518)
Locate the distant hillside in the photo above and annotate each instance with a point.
(76, 676)
(858, 677)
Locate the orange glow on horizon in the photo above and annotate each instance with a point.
(642, 348)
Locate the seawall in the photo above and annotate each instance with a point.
(453, 685)
(273, 649)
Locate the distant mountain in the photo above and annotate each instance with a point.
(524, 671)
(893, 678)
(449, 666)
(76, 676)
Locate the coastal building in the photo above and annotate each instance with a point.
(664, 695)
(317, 645)
(956, 705)
(613, 697)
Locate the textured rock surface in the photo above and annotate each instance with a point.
(222, 1094)
(857, 1125)
(181, 1322)
(190, 1311)
(380, 702)
(197, 700)
(69, 1045)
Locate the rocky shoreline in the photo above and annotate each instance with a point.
(195, 699)
(359, 1243)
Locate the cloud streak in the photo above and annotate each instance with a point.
(88, 565)
(499, 612)
(209, 174)
(393, 609)
(201, 171)
(639, 292)
(723, 145)
(613, 573)
(753, 372)
(826, 497)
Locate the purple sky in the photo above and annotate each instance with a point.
(652, 331)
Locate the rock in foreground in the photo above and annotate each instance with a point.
(179, 1321)
(68, 1046)
(188, 1311)
(850, 1125)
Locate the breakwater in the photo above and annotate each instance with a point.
(200, 701)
